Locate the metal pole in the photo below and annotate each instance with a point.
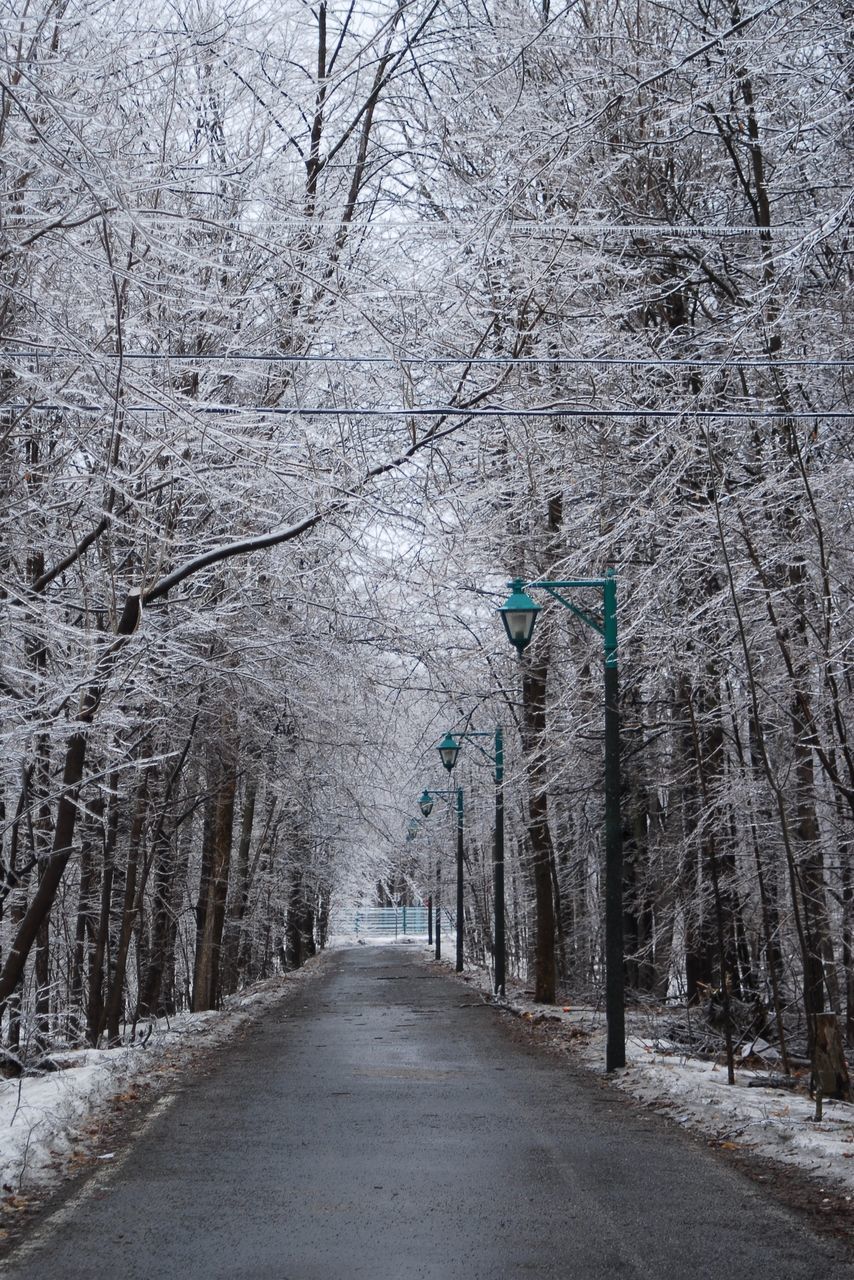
(438, 908)
(429, 919)
(498, 866)
(459, 964)
(615, 1053)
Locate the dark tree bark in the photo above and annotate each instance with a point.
(213, 889)
(111, 1019)
(16, 882)
(66, 814)
(161, 920)
(100, 948)
(534, 679)
(159, 943)
(830, 1070)
(848, 939)
(299, 929)
(240, 900)
(85, 926)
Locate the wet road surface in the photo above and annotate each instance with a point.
(386, 1125)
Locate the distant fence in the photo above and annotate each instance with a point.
(388, 922)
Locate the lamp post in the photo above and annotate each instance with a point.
(449, 749)
(437, 908)
(426, 806)
(519, 615)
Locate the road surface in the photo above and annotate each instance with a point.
(386, 1125)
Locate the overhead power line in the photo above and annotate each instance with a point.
(260, 357)
(529, 227)
(434, 411)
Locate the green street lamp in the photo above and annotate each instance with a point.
(448, 750)
(426, 806)
(519, 615)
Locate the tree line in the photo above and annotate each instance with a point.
(247, 582)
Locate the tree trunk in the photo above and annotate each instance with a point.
(299, 928)
(830, 1070)
(115, 996)
(534, 678)
(161, 919)
(17, 908)
(240, 899)
(99, 950)
(848, 940)
(66, 813)
(213, 890)
(84, 930)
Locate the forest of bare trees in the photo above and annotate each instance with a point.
(320, 323)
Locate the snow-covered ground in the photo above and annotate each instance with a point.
(767, 1121)
(51, 1124)
(773, 1123)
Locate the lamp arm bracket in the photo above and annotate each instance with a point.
(478, 733)
(567, 584)
(567, 604)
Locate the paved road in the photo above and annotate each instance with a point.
(388, 1126)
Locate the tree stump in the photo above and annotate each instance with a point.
(829, 1069)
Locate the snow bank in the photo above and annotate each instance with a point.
(771, 1122)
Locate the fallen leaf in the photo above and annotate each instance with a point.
(132, 1095)
(16, 1202)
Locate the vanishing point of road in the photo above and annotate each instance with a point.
(385, 1124)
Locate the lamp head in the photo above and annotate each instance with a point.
(448, 750)
(519, 615)
(425, 804)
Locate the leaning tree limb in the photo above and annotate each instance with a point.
(75, 752)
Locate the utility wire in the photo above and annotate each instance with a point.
(445, 411)
(534, 227)
(432, 361)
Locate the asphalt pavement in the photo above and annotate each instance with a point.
(387, 1125)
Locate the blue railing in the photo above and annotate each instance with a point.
(396, 922)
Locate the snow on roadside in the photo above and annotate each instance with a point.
(774, 1123)
(49, 1123)
(40, 1116)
